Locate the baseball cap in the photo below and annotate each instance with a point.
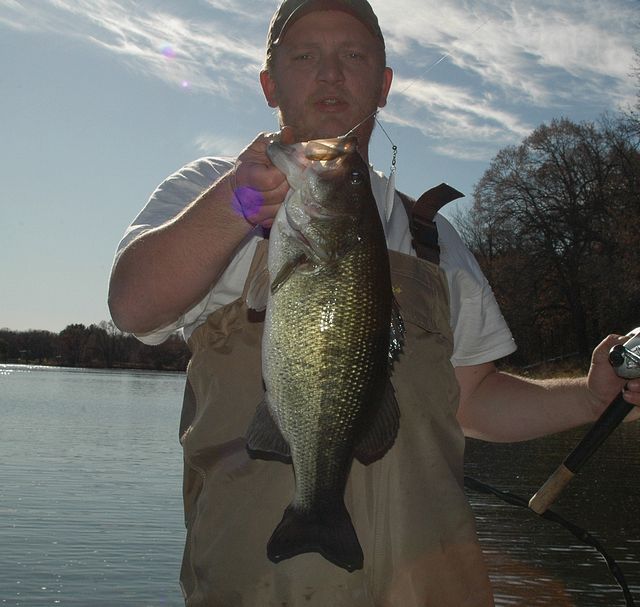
(290, 11)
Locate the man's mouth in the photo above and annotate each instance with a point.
(331, 104)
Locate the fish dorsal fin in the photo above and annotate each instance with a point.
(382, 429)
(264, 439)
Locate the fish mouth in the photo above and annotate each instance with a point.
(285, 155)
(330, 149)
(313, 150)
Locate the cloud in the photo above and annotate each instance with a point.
(206, 54)
(244, 10)
(522, 48)
(213, 144)
(455, 120)
(508, 62)
(472, 77)
(12, 15)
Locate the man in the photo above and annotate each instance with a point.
(186, 262)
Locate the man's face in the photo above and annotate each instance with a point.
(328, 75)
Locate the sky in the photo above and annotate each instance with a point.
(102, 99)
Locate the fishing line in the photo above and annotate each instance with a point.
(413, 82)
(584, 536)
(374, 114)
(391, 183)
(439, 61)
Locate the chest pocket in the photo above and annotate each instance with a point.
(421, 290)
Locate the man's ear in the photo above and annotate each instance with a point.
(269, 88)
(387, 77)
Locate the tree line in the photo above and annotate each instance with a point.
(99, 345)
(554, 225)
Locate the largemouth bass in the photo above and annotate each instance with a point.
(331, 332)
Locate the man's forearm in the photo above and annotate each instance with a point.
(165, 271)
(508, 408)
(499, 407)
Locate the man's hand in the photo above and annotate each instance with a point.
(168, 269)
(259, 187)
(603, 382)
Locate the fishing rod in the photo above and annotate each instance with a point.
(625, 360)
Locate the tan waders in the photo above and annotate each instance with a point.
(409, 509)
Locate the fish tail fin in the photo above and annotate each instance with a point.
(331, 535)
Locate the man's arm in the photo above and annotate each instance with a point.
(499, 407)
(165, 271)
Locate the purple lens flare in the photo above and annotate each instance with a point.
(247, 202)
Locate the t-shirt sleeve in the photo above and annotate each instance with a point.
(480, 332)
(169, 199)
(174, 194)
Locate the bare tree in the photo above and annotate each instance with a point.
(552, 224)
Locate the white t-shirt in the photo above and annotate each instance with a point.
(479, 329)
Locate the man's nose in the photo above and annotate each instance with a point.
(330, 69)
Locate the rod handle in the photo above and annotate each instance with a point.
(599, 432)
(590, 443)
(552, 488)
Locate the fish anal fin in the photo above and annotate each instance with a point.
(264, 439)
(381, 430)
(330, 535)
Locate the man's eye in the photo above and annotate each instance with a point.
(302, 57)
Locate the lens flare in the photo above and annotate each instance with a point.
(247, 202)
(168, 51)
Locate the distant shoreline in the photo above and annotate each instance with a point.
(100, 346)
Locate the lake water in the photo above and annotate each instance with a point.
(91, 514)
(534, 562)
(90, 488)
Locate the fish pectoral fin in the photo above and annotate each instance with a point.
(286, 271)
(264, 439)
(381, 431)
(258, 292)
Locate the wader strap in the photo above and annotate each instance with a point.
(421, 219)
